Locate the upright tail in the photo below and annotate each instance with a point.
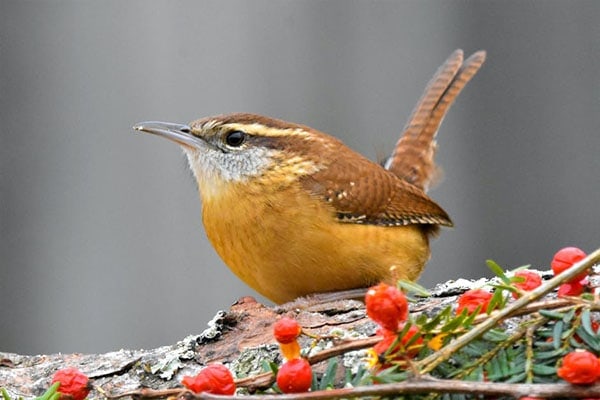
(413, 156)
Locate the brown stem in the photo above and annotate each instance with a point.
(428, 385)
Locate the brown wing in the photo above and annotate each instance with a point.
(361, 191)
(413, 156)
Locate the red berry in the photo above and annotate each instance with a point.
(215, 379)
(571, 289)
(387, 306)
(73, 383)
(389, 337)
(471, 299)
(294, 376)
(286, 330)
(532, 281)
(580, 367)
(565, 258)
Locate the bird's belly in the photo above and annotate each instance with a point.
(285, 250)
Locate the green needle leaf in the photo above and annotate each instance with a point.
(413, 287)
(498, 271)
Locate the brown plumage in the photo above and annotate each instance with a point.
(362, 192)
(413, 156)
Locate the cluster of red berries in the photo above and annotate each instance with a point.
(579, 367)
(388, 307)
(295, 375)
(479, 299)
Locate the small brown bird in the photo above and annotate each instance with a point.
(293, 211)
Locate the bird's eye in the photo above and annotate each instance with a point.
(235, 138)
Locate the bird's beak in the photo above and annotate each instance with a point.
(179, 133)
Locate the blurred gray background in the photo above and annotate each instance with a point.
(100, 233)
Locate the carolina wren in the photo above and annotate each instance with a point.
(293, 211)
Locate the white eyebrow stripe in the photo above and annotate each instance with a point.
(262, 130)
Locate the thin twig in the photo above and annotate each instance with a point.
(351, 345)
(549, 304)
(492, 353)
